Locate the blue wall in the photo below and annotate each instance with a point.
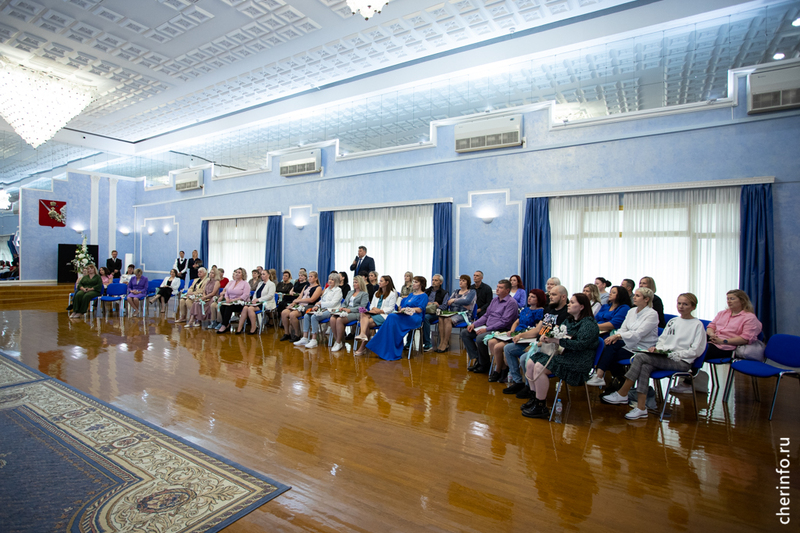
(9, 224)
(703, 145)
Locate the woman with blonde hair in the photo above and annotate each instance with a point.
(357, 297)
(206, 290)
(593, 293)
(89, 287)
(195, 290)
(735, 326)
(405, 290)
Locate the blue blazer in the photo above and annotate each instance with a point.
(367, 266)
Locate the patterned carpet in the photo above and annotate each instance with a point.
(69, 462)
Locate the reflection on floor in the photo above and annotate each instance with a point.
(370, 445)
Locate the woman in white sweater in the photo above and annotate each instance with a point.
(683, 340)
(639, 331)
(331, 299)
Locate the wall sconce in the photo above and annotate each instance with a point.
(150, 231)
(125, 231)
(300, 225)
(487, 219)
(167, 229)
(487, 215)
(77, 229)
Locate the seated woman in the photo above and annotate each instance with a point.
(238, 290)
(331, 299)
(164, 293)
(223, 281)
(572, 364)
(735, 326)
(639, 331)
(684, 339)
(81, 274)
(263, 298)
(212, 313)
(518, 291)
(388, 341)
(106, 277)
(612, 315)
(602, 284)
(89, 287)
(345, 284)
(407, 286)
(290, 318)
(461, 301)
(356, 298)
(293, 293)
(137, 290)
(254, 280)
(126, 277)
(195, 290)
(382, 305)
(372, 284)
(593, 293)
(436, 295)
(658, 306)
(208, 289)
(528, 317)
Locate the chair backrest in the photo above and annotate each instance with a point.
(705, 323)
(667, 317)
(180, 287)
(599, 351)
(698, 363)
(784, 349)
(116, 280)
(660, 331)
(153, 285)
(474, 312)
(116, 289)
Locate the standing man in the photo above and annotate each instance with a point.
(181, 265)
(114, 265)
(362, 264)
(483, 293)
(193, 265)
(501, 313)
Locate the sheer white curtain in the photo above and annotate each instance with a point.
(584, 235)
(400, 239)
(237, 243)
(687, 240)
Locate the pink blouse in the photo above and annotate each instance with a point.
(727, 326)
(107, 280)
(238, 290)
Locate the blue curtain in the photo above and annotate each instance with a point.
(535, 265)
(11, 246)
(203, 252)
(757, 253)
(325, 259)
(442, 241)
(273, 257)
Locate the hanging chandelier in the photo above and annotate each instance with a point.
(38, 104)
(367, 8)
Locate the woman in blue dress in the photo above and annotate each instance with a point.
(388, 341)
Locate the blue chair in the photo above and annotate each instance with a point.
(598, 353)
(464, 325)
(116, 292)
(673, 375)
(782, 349)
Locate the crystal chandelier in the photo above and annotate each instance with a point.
(367, 8)
(37, 104)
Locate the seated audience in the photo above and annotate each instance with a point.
(550, 283)
(206, 291)
(735, 326)
(628, 285)
(263, 299)
(572, 364)
(238, 291)
(294, 292)
(528, 318)
(331, 299)
(461, 301)
(372, 284)
(168, 286)
(382, 305)
(388, 341)
(483, 293)
(345, 283)
(254, 280)
(89, 287)
(501, 313)
(683, 340)
(195, 290)
(436, 295)
(593, 293)
(107, 278)
(223, 281)
(518, 291)
(81, 274)
(126, 277)
(639, 331)
(612, 314)
(406, 288)
(658, 306)
(355, 298)
(137, 291)
(290, 318)
(602, 285)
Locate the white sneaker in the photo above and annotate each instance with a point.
(636, 413)
(301, 342)
(336, 347)
(614, 398)
(596, 381)
(312, 343)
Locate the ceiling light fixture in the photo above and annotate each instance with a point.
(796, 22)
(367, 8)
(778, 56)
(38, 104)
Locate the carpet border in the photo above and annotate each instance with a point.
(280, 488)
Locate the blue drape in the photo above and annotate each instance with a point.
(325, 258)
(442, 240)
(203, 252)
(757, 253)
(273, 257)
(11, 246)
(535, 265)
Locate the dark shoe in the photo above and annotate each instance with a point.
(527, 405)
(480, 370)
(252, 332)
(220, 332)
(504, 375)
(472, 364)
(539, 410)
(494, 377)
(237, 332)
(514, 388)
(286, 338)
(525, 393)
(295, 338)
(427, 348)
(69, 308)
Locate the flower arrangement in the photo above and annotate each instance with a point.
(82, 257)
(558, 332)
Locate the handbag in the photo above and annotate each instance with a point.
(753, 351)
(431, 308)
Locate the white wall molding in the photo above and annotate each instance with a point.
(94, 209)
(252, 215)
(112, 214)
(143, 231)
(400, 203)
(735, 182)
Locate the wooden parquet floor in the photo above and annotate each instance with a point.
(422, 444)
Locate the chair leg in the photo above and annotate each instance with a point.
(728, 384)
(714, 377)
(588, 401)
(666, 397)
(694, 397)
(555, 400)
(775, 396)
(755, 388)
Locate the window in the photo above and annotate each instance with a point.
(237, 243)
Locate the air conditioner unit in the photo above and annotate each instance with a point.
(487, 134)
(296, 163)
(188, 180)
(15, 208)
(773, 88)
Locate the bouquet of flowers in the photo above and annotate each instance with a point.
(558, 332)
(82, 257)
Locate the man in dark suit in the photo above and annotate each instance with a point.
(181, 265)
(114, 265)
(483, 293)
(362, 264)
